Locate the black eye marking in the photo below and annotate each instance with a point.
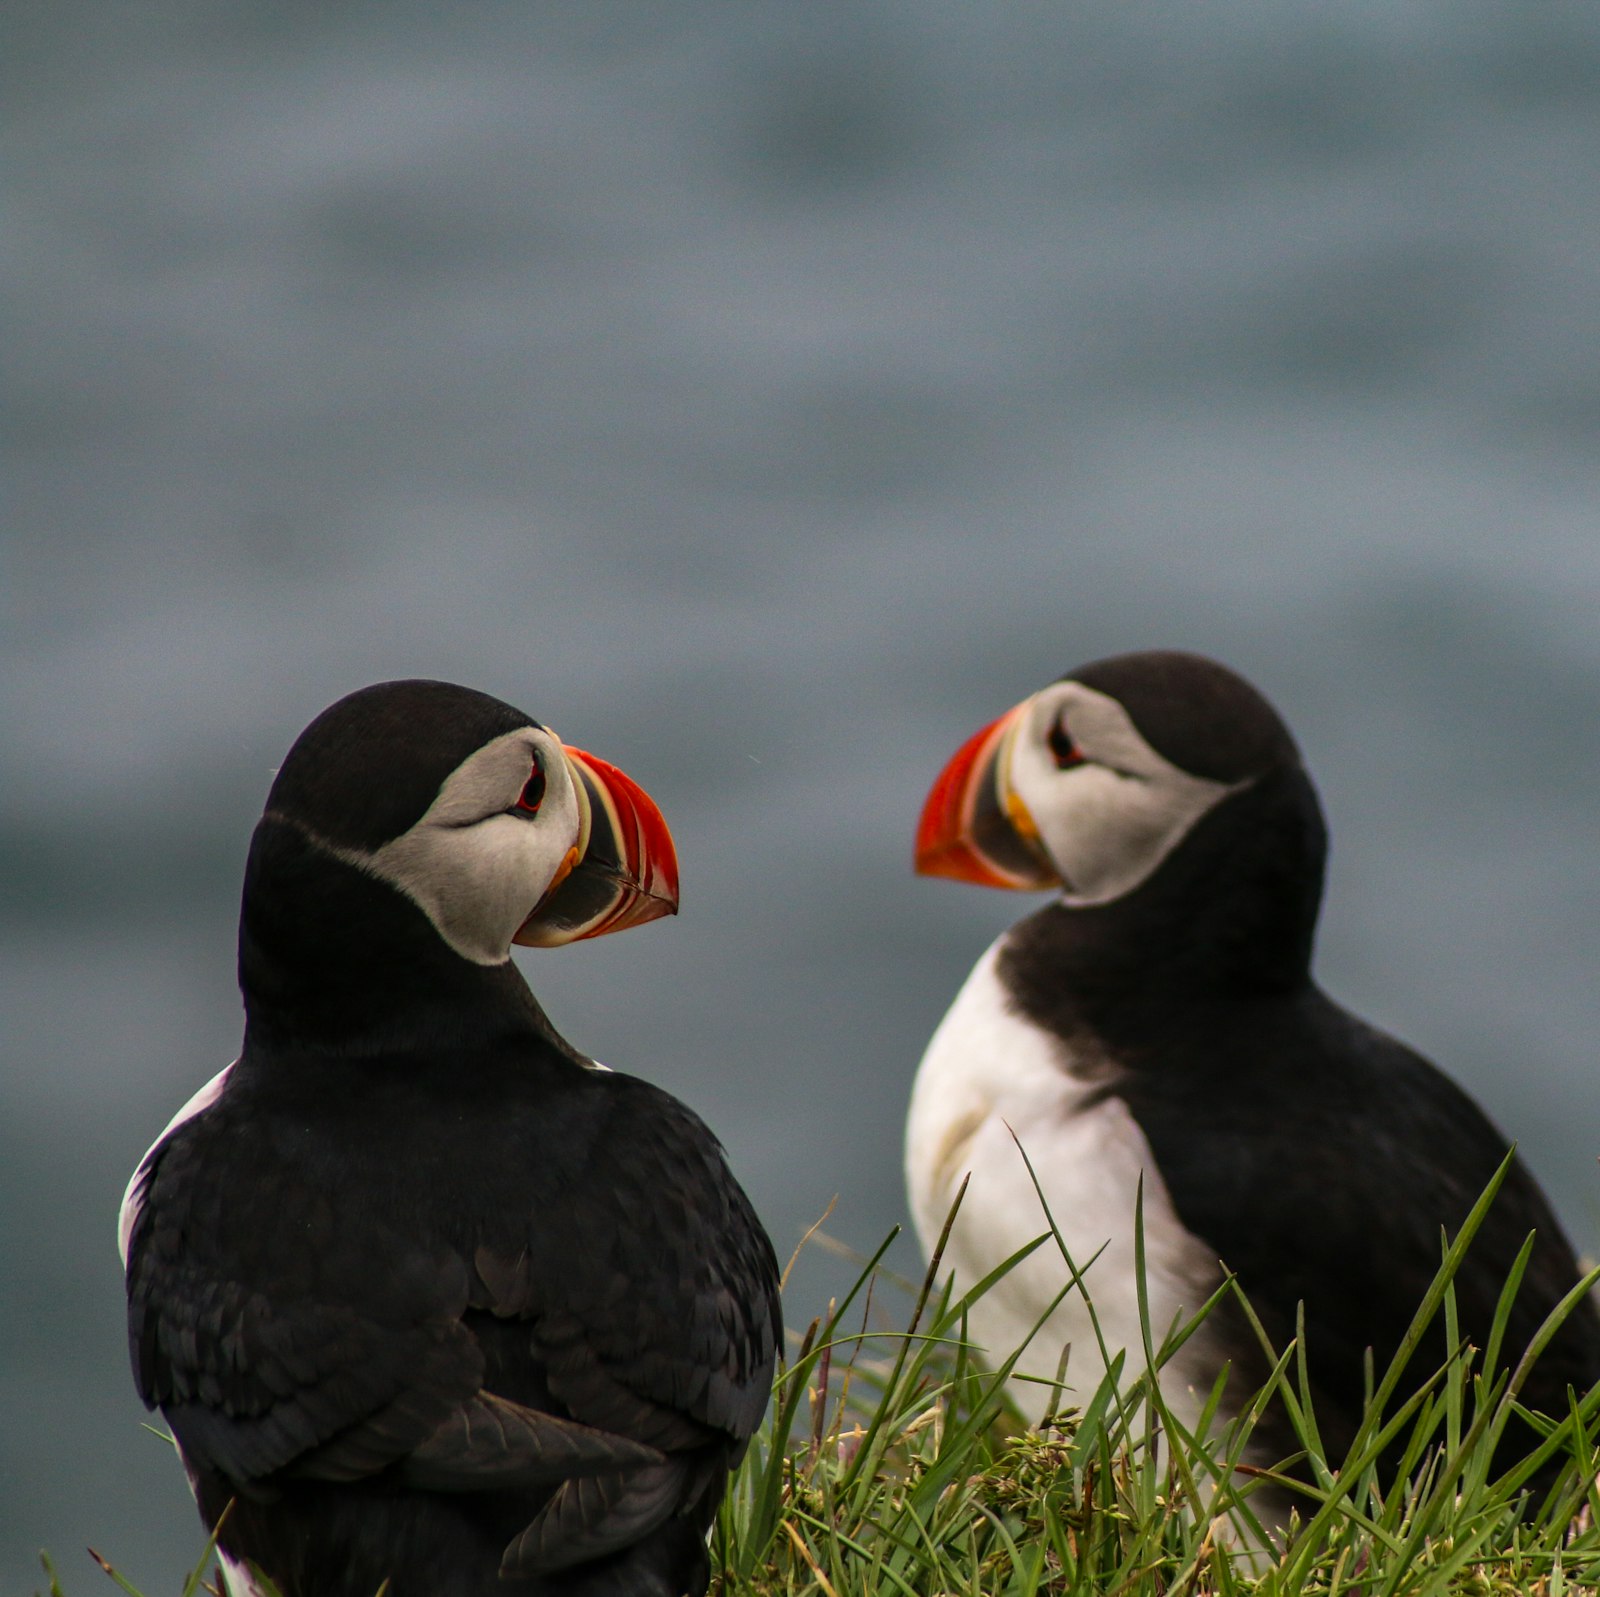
(1066, 752)
(532, 795)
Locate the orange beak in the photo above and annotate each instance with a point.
(624, 870)
(974, 828)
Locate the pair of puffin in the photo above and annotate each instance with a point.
(440, 1306)
(1157, 1022)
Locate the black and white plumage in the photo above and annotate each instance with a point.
(1158, 1019)
(436, 1300)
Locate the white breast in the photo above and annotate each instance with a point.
(133, 1194)
(237, 1576)
(988, 1074)
(241, 1582)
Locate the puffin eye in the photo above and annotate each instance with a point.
(532, 795)
(1066, 752)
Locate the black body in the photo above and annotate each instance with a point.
(413, 1236)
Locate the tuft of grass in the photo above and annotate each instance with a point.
(203, 1578)
(893, 1465)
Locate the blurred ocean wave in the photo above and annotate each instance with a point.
(764, 396)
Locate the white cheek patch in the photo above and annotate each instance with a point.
(1110, 822)
(477, 884)
(474, 869)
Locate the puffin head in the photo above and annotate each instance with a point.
(491, 825)
(1091, 785)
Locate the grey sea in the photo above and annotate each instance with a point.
(765, 395)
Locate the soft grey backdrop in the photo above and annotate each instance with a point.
(765, 394)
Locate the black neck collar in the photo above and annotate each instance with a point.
(331, 959)
(1231, 913)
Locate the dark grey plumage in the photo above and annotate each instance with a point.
(432, 1298)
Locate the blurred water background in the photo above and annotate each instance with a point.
(765, 395)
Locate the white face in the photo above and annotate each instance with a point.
(476, 863)
(1110, 819)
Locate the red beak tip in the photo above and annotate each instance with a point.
(946, 845)
(644, 843)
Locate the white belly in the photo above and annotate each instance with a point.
(987, 1074)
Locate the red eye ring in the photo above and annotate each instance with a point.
(1066, 752)
(532, 794)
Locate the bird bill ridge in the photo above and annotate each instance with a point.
(622, 872)
(974, 826)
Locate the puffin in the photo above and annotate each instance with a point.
(431, 1302)
(1151, 1044)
